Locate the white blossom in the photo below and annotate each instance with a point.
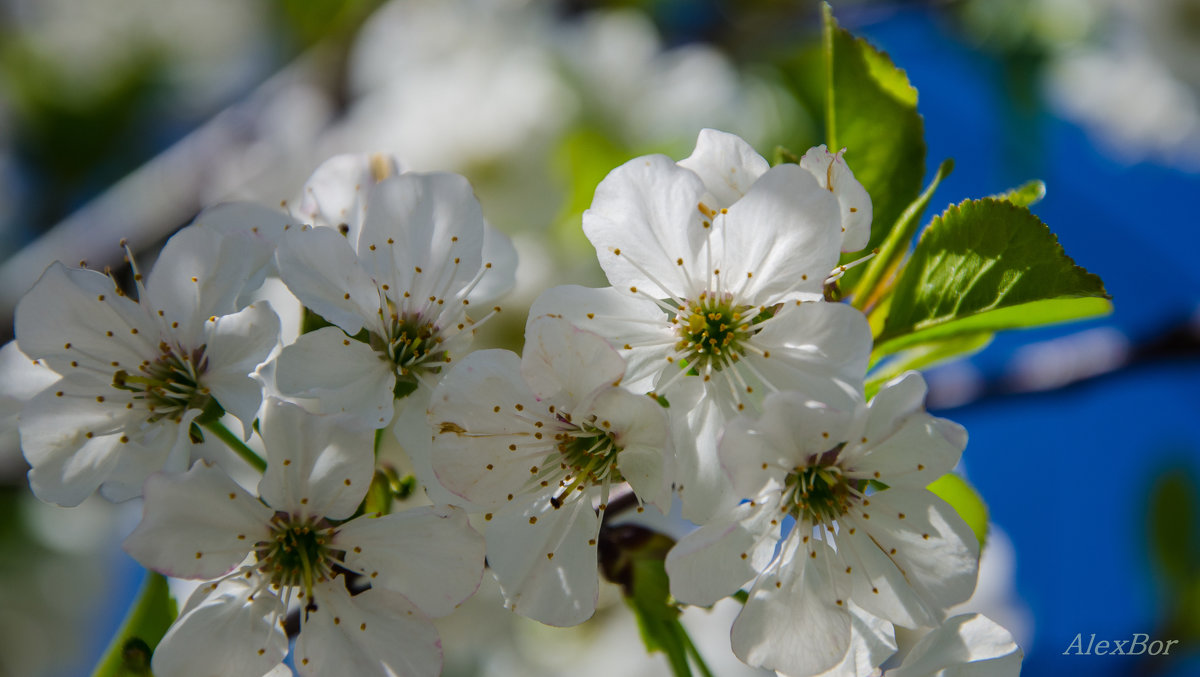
(718, 266)
(969, 645)
(837, 517)
(290, 543)
(136, 374)
(542, 440)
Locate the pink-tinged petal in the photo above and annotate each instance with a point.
(72, 439)
(500, 262)
(969, 645)
(793, 622)
(342, 376)
(834, 175)
(65, 320)
(227, 631)
(905, 445)
(376, 633)
(935, 549)
(640, 430)
(564, 365)
(335, 196)
(636, 327)
(726, 164)
(781, 240)
(545, 561)
(199, 524)
(423, 235)
(431, 555)
(484, 441)
(236, 345)
(880, 587)
(649, 210)
(792, 431)
(253, 231)
(322, 270)
(316, 465)
(722, 556)
(819, 349)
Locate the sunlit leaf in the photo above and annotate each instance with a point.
(982, 266)
(926, 355)
(1026, 194)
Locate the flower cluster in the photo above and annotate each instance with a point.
(714, 371)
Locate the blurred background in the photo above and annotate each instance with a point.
(122, 118)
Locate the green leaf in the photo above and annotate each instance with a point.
(926, 355)
(1024, 195)
(966, 502)
(897, 242)
(128, 655)
(982, 266)
(871, 111)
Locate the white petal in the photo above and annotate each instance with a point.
(935, 549)
(341, 374)
(820, 349)
(834, 175)
(322, 270)
(412, 429)
(564, 364)
(703, 485)
(200, 273)
(199, 524)
(791, 431)
(375, 633)
(21, 379)
(431, 555)
(230, 633)
(781, 240)
(708, 564)
(640, 430)
(796, 627)
(64, 319)
(237, 344)
(427, 231)
(545, 561)
(636, 327)
(336, 193)
(905, 445)
(726, 164)
(970, 645)
(484, 444)
(316, 465)
(72, 440)
(254, 231)
(872, 641)
(165, 445)
(500, 259)
(648, 209)
(880, 587)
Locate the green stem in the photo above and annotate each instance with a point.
(827, 25)
(679, 661)
(236, 444)
(694, 652)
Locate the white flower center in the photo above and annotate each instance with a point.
(818, 494)
(586, 454)
(713, 330)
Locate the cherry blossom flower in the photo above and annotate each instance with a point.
(866, 530)
(135, 374)
(291, 544)
(407, 261)
(718, 266)
(542, 440)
